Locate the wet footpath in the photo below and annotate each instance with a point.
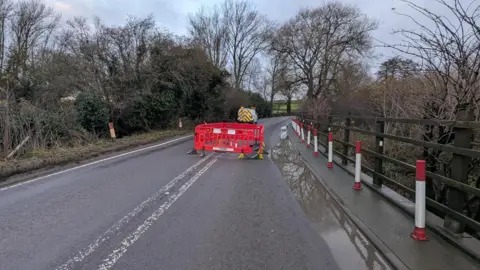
(388, 228)
(349, 246)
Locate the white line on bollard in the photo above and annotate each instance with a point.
(315, 142)
(419, 231)
(308, 136)
(358, 166)
(330, 149)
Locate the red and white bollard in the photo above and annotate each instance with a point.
(308, 135)
(303, 132)
(330, 149)
(315, 143)
(419, 231)
(358, 166)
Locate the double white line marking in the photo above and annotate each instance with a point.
(133, 237)
(119, 251)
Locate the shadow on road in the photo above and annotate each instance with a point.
(349, 246)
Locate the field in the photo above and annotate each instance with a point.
(281, 106)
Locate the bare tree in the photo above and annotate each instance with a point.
(88, 46)
(32, 25)
(318, 40)
(285, 82)
(247, 30)
(397, 67)
(232, 35)
(253, 77)
(265, 85)
(5, 99)
(62, 85)
(6, 8)
(273, 72)
(209, 29)
(448, 50)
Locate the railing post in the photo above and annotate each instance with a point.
(456, 199)
(430, 161)
(380, 128)
(346, 138)
(329, 128)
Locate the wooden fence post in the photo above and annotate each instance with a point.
(346, 138)
(379, 141)
(457, 199)
(430, 163)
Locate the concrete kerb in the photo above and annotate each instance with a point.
(391, 258)
(149, 148)
(399, 201)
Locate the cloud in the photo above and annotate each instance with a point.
(173, 14)
(62, 7)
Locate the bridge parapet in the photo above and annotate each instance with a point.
(391, 147)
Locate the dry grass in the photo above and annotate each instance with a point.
(41, 158)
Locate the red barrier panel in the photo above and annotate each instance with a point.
(228, 137)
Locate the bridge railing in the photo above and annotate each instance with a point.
(458, 202)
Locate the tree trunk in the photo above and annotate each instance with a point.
(6, 130)
(310, 92)
(2, 43)
(289, 104)
(272, 95)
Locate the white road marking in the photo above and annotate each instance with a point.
(94, 162)
(133, 237)
(82, 254)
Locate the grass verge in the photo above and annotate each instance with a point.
(41, 158)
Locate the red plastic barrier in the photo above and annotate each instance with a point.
(228, 137)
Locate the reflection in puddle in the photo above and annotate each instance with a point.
(349, 246)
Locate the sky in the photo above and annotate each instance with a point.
(173, 14)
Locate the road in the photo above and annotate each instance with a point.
(161, 210)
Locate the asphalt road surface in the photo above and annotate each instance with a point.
(161, 210)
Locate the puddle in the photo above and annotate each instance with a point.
(349, 246)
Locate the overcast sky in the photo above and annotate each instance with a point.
(173, 14)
